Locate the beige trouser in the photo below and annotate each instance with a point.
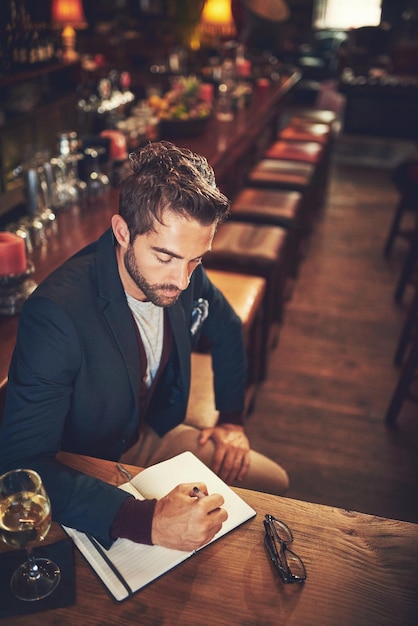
(263, 474)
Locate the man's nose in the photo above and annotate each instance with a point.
(182, 278)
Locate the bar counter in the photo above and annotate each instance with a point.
(230, 147)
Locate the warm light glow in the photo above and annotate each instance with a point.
(217, 18)
(68, 13)
(217, 12)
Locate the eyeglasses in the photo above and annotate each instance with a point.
(288, 565)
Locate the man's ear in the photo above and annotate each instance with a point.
(120, 230)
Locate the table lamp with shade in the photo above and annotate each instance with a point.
(68, 15)
(217, 22)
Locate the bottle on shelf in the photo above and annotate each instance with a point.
(23, 43)
(226, 88)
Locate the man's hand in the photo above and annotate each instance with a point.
(184, 522)
(232, 454)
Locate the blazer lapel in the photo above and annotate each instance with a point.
(115, 309)
(182, 340)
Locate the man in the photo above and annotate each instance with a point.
(102, 362)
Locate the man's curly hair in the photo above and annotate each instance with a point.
(165, 176)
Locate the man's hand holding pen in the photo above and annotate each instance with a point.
(185, 520)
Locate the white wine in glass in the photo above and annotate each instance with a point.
(25, 517)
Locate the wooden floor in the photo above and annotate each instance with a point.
(321, 411)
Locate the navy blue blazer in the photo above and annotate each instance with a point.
(74, 378)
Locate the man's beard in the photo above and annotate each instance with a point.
(152, 292)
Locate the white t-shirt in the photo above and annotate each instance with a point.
(150, 322)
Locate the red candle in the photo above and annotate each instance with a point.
(206, 92)
(12, 254)
(118, 149)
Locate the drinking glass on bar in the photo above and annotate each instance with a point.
(25, 517)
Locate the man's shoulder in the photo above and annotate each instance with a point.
(72, 280)
(74, 274)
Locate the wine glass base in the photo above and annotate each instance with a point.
(27, 587)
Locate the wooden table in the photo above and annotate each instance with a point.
(362, 571)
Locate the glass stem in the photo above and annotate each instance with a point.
(34, 573)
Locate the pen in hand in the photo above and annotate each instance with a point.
(124, 471)
(198, 493)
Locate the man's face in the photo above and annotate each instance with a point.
(158, 265)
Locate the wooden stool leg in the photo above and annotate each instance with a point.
(402, 388)
(411, 322)
(408, 267)
(394, 228)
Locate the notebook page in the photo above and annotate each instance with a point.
(158, 480)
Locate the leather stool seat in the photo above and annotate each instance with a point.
(310, 152)
(319, 116)
(282, 174)
(303, 151)
(276, 208)
(319, 133)
(256, 250)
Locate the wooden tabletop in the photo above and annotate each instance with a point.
(362, 571)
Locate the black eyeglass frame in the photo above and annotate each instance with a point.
(277, 547)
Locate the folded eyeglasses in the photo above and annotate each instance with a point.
(288, 565)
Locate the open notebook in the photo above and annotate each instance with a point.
(127, 566)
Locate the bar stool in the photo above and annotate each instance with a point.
(410, 265)
(281, 174)
(275, 208)
(317, 116)
(402, 391)
(308, 131)
(256, 250)
(406, 180)
(409, 328)
(309, 152)
(406, 356)
(245, 294)
(301, 151)
(301, 130)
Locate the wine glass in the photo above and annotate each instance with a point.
(25, 517)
